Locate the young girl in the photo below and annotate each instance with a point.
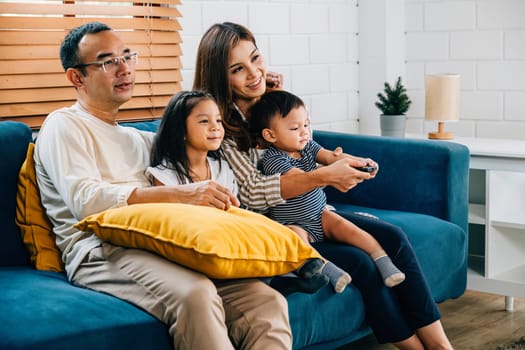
(281, 120)
(186, 150)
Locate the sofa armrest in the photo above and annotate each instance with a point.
(415, 175)
(14, 140)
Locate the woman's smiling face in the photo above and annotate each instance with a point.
(247, 71)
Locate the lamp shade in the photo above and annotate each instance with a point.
(442, 97)
(442, 101)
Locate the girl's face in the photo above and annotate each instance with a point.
(289, 134)
(204, 130)
(247, 71)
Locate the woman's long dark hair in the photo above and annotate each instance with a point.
(169, 146)
(211, 75)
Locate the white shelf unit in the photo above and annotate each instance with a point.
(497, 217)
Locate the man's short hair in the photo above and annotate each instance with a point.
(69, 47)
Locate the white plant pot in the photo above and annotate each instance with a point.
(393, 125)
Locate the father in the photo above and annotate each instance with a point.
(86, 163)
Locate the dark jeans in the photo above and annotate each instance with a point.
(392, 313)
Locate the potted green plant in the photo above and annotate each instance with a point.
(393, 103)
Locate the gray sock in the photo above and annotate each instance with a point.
(390, 273)
(338, 277)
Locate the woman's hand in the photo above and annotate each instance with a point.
(338, 152)
(370, 162)
(343, 175)
(274, 81)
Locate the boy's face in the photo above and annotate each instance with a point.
(291, 133)
(204, 130)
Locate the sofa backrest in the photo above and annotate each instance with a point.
(416, 175)
(14, 139)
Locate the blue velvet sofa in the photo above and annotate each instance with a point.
(422, 187)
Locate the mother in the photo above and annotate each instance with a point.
(231, 68)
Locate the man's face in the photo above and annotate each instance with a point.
(100, 89)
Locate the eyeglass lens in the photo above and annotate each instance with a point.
(112, 64)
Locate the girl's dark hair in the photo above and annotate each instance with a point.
(211, 75)
(169, 146)
(272, 104)
(69, 47)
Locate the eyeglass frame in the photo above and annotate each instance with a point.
(132, 55)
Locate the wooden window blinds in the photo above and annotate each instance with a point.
(32, 80)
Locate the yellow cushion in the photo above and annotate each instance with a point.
(221, 244)
(36, 229)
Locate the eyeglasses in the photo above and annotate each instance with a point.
(111, 65)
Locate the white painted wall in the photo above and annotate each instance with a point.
(381, 55)
(312, 42)
(483, 41)
(336, 54)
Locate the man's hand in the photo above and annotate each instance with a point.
(208, 193)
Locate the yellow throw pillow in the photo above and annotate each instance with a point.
(221, 244)
(37, 232)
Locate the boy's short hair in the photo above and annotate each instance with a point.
(270, 105)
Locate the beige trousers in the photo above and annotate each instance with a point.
(200, 314)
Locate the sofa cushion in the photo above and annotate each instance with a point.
(14, 138)
(69, 317)
(222, 244)
(37, 232)
(325, 318)
(42, 310)
(439, 245)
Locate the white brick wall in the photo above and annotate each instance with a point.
(317, 44)
(313, 43)
(483, 41)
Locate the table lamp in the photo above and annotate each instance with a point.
(441, 102)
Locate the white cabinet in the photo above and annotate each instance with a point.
(497, 217)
